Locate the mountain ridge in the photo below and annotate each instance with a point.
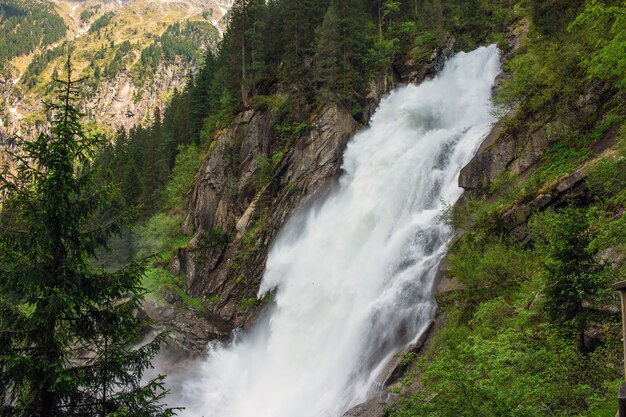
(108, 41)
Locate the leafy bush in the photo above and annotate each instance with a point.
(606, 178)
(506, 361)
(159, 282)
(264, 172)
(160, 235)
(607, 61)
(483, 266)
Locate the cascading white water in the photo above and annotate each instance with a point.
(354, 273)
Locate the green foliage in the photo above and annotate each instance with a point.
(87, 13)
(26, 25)
(250, 243)
(264, 172)
(488, 266)
(175, 43)
(607, 177)
(608, 59)
(187, 163)
(212, 238)
(40, 62)
(119, 61)
(506, 362)
(254, 302)
(101, 22)
(160, 283)
(341, 48)
(550, 17)
(249, 303)
(53, 302)
(573, 275)
(423, 46)
(161, 235)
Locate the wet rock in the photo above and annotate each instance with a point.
(371, 408)
(412, 72)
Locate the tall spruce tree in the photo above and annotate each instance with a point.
(300, 18)
(574, 276)
(67, 328)
(341, 47)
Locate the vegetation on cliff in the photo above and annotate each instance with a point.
(535, 330)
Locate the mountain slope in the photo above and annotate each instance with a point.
(134, 54)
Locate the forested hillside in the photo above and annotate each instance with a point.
(134, 55)
(27, 26)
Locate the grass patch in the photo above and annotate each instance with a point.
(159, 282)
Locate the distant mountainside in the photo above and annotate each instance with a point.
(134, 54)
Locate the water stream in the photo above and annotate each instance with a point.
(354, 273)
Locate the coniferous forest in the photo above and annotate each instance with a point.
(90, 226)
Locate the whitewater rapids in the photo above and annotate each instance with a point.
(354, 274)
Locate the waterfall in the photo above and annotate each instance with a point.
(353, 275)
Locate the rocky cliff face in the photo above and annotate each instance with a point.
(518, 153)
(120, 103)
(233, 217)
(117, 103)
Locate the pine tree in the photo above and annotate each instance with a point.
(328, 48)
(66, 326)
(300, 18)
(574, 276)
(341, 47)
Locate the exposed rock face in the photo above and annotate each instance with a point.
(120, 103)
(117, 103)
(567, 189)
(517, 152)
(514, 153)
(412, 72)
(228, 198)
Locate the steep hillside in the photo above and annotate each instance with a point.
(134, 54)
(528, 322)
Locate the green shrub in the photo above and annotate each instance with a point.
(160, 236)
(479, 265)
(264, 172)
(507, 362)
(212, 238)
(159, 282)
(606, 178)
(188, 161)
